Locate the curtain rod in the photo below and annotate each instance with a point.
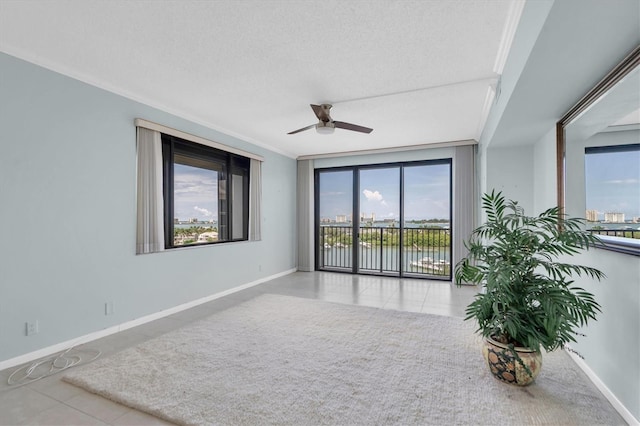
(139, 122)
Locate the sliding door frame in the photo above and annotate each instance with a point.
(355, 225)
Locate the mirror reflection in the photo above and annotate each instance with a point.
(602, 161)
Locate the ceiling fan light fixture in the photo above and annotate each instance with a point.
(326, 125)
(325, 128)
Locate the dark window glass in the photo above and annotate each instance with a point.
(206, 194)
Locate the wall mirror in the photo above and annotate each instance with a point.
(598, 155)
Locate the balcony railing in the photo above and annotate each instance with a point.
(625, 233)
(424, 251)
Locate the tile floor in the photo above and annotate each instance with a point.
(51, 401)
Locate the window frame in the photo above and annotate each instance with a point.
(356, 211)
(629, 65)
(231, 164)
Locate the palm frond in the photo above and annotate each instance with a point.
(529, 295)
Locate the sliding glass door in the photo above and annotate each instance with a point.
(379, 224)
(334, 219)
(427, 219)
(392, 219)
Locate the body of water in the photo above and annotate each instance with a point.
(193, 225)
(627, 226)
(443, 225)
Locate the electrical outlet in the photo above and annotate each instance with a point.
(108, 308)
(32, 328)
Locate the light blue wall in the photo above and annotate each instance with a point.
(510, 170)
(67, 194)
(612, 343)
(533, 18)
(565, 55)
(618, 325)
(545, 186)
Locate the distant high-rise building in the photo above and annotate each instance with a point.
(365, 218)
(341, 218)
(592, 215)
(614, 217)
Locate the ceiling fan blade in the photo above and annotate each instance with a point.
(302, 130)
(354, 127)
(322, 112)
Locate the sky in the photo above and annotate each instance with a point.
(612, 183)
(195, 193)
(426, 192)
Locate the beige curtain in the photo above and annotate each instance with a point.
(464, 198)
(255, 200)
(305, 216)
(150, 209)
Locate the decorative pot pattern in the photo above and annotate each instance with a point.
(505, 367)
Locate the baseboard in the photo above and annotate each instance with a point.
(620, 408)
(40, 353)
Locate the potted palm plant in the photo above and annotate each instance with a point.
(528, 301)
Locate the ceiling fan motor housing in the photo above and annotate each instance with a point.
(325, 127)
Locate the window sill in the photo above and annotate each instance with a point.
(618, 244)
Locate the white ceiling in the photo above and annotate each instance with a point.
(417, 72)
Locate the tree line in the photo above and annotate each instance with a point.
(416, 237)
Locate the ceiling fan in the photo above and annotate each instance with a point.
(327, 125)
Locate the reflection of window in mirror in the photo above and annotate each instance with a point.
(612, 189)
(599, 158)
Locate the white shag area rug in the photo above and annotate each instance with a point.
(293, 361)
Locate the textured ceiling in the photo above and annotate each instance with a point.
(417, 72)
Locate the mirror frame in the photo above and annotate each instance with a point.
(628, 64)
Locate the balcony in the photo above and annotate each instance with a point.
(413, 252)
(624, 233)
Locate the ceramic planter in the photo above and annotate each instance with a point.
(505, 367)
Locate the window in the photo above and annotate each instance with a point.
(205, 192)
(612, 187)
(193, 191)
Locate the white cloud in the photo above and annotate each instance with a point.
(373, 195)
(194, 188)
(623, 181)
(205, 212)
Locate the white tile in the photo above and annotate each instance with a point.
(116, 342)
(55, 388)
(19, 405)
(63, 415)
(137, 418)
(4, 376)
(98, 407)
(443, 309)
(159, 326)
(408, 306)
